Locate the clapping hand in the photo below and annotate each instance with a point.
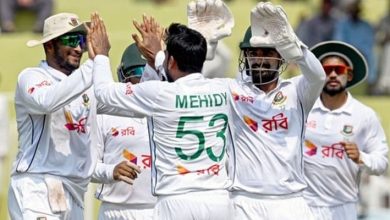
(98, 42)
(151, 40)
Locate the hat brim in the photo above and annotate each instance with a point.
(79, 28)
(355, 59)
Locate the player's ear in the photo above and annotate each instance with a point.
(171, 62)
(350, 76)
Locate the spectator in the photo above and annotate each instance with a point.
(360, 34)
(42, 8)
(318, 28)
(383, 40)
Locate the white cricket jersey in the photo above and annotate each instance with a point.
(123, 138)
(188, 127)
(332, 177)
(269, 131)
(56, 121)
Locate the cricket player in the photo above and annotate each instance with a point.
(269, 117)
(343, 136)
(269, 113)
(124, 140)
(56, 121)
(188, 121)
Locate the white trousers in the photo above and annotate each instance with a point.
(205, 205)
(28, 198)
(112, 211)
(249, 207)
(341, 212)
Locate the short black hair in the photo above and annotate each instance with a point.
(187, 46)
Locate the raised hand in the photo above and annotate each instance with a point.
(98, 42)
(213, 19)
(126, 171)
(151, 40)
(270, 26)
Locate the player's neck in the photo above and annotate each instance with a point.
(267, 87)
(335, 101)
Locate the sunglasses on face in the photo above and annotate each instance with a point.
(338, 69)
(73, 40)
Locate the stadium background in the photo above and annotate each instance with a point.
(118, 16)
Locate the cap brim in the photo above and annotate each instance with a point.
(338, 48)
(79, 28)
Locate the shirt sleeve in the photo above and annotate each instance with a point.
(310, 85)
(103, 173)
(41, 95)
(150, 74)
(374, 153)
(139, 99)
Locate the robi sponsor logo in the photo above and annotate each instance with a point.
(311, 148)
(145, 159)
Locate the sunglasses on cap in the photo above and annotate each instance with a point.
(134, 72)
(338, 69)
(73, 40)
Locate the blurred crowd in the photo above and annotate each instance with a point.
(342, 20)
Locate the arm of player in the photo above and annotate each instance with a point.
(374, 155)
(41, 95)
(310, 85)
(133, 98)
(103, 173)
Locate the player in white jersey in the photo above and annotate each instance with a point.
(56, 121)
(187, 119)
(269, 119)
(125, 140)
(269, 114)
(343, 136)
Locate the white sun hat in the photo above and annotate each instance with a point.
(58, 25)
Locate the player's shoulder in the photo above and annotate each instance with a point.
(362, 109)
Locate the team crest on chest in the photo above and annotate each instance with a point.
(85, 100)
(279, 98)
(347, 130)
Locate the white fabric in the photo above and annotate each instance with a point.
(57, 25)
(120, 134)
(56, 122)
(332, 177)
(111, 211)
(346, 211)
(270, 26)
(185, 117)
(27, 199)
(250, 206)
(213, 19)
(207, 205)
(4, 127)
(269, 131)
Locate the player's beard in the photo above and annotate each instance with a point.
(62, 62)
(334, 91)
(263, 74)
